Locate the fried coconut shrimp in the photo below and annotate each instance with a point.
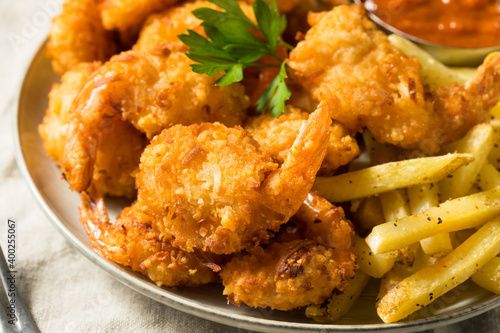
(152, 92)
(134, 241)
(116, 159)
(276, 136)
(125, 14)
(163, 28)
(298, 268)
(344, 60)
(77, 35)
(213, 189)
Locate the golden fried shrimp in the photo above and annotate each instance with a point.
(125, 14)
(214, 190)
(163, 28)
(344, 60)
(77, 35)
(284, 6)
(116, 159)
(152, 92)
(134, 241)
(276, 136)
(296, 269)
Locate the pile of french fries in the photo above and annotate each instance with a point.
(431, 222)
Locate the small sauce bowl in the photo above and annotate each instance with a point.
(449, 55)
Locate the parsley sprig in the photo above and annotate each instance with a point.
(231, 46)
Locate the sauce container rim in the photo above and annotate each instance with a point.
(449, 55)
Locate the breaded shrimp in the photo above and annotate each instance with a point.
(296, 269)
(276, 136)
(152, 92)
(116, 159)
(214, 190)
(125, 14)
(283, 6)
(345, 61)
(163, 28)
(134, 241)
(77, 35)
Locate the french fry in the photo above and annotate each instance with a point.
(338, 305)
(495, 112)
(423, 197)
(424, 286)
(395, 204)
(488, 177)
(477, 142)
(488, 276)
(435, 74)
(462, 213)
(379, 153)
(389, 176)
(397, 274)
(494, 155)
(464, 73)
(368, 215)
(422, 260)
(375, 265)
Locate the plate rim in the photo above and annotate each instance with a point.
(181, 303)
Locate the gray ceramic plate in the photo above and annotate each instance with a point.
(60, 206)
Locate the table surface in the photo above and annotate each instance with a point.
(64, 291)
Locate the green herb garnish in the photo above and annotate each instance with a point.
(231, 47)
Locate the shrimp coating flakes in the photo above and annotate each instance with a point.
(276, 136)
(344, 60)
(296, 269)
(134, 241)
(116, 159)
(124, 14)
(163, 28)
(152, 92)
(77, 35)
(212, 189)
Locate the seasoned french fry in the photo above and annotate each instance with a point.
(494, 155)
(477, 142)
(495, 112)
(435, 74)
(375, 265)
(488, 276)
(390, 176)
(424, 286)
(395, 204)
(488, 177)
(422, 260)
(338, 305)
(397, 274)
(423, 197)
(438, 245)
(462, 213)
(379, 153)
(368, 215)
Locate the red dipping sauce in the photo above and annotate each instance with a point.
(458, 23)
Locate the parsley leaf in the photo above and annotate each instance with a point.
(274, 97)
(231, 46)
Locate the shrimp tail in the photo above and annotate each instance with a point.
(287, 187)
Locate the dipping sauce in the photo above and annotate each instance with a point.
(459, 23)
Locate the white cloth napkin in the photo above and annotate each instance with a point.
(64, 291)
